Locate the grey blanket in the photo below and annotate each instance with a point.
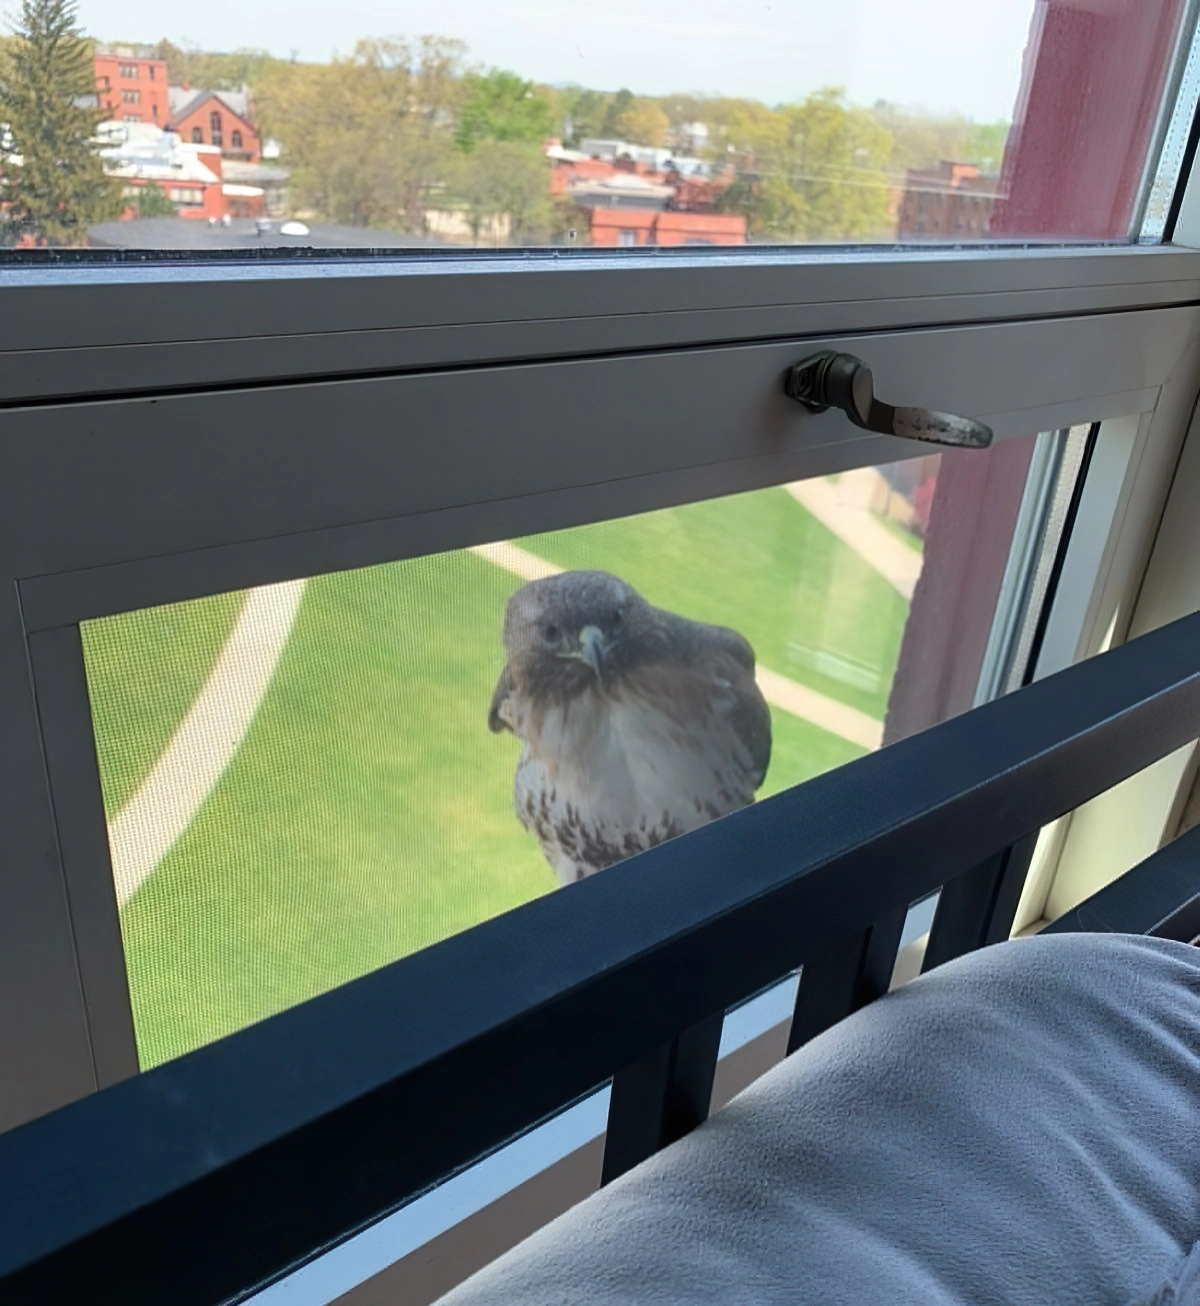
(1020, 1126)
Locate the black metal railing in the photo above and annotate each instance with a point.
(216, 1173)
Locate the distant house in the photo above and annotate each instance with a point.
(630, 227)
(131, 84)
(625, 190)
(141, 155)
(218, 118)
(947, 203)
(646, 158)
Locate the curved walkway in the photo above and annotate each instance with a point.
(203, 745)
(840, 508)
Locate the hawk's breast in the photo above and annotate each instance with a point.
(612, 772)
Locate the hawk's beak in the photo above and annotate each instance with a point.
(592, 648)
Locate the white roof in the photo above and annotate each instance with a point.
(140, 149)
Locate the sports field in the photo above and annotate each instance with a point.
(368, 811)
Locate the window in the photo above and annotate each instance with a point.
(364, 742)
(235, 140)
(748, 152)
(131, 97)
(320, 479)
(626, 236)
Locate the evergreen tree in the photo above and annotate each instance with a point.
(152, 201)
(52, 184)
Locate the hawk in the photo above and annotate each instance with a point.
(637, 724)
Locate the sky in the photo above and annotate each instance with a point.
(947, 56)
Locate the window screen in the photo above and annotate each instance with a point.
(308, 780)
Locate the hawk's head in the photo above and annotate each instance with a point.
(566, 633)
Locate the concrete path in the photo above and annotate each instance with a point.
(203, 745)
(819, 710)
(842, 509)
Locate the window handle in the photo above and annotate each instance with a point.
(833, 380)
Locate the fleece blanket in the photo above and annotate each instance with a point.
(1020, 1126)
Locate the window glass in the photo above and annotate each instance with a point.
(309, 780)
(505, 125)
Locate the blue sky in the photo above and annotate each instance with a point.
(945, 55)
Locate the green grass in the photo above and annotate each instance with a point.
(143, 671)
(368, 812)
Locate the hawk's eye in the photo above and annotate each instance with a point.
(618, 617)
(551, 634)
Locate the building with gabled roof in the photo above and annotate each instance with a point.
(219, 118)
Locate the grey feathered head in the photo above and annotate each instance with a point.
(566, 633)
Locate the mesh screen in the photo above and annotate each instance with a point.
(301, 783)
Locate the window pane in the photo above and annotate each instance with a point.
(309, 780)
(570, 124)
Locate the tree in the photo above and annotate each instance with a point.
(584, 113)
(53, 183)
(508, 180)
(619, 103)
(370, 136)
(922, 141)
(151, 201)
(212, 71)
(642, 122)
(810, 171)
(500, 106)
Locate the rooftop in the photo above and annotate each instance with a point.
(189, 234)
(186, 99)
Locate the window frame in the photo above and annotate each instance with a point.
(1105, 331)
(697, 348)
(80, 338)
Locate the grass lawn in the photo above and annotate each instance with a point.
(368, 812)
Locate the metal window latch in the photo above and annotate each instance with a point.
(833, 380)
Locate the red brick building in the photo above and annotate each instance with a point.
(220, 118)
(131, 84)
(951, 202)
(630, 227)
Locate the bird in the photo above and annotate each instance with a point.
(637, 725)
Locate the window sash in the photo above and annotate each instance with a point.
(124, 328)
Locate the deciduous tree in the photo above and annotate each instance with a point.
(642, 122)
(368, 137)
(500, 106)
(507, 183)
(812, 171)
